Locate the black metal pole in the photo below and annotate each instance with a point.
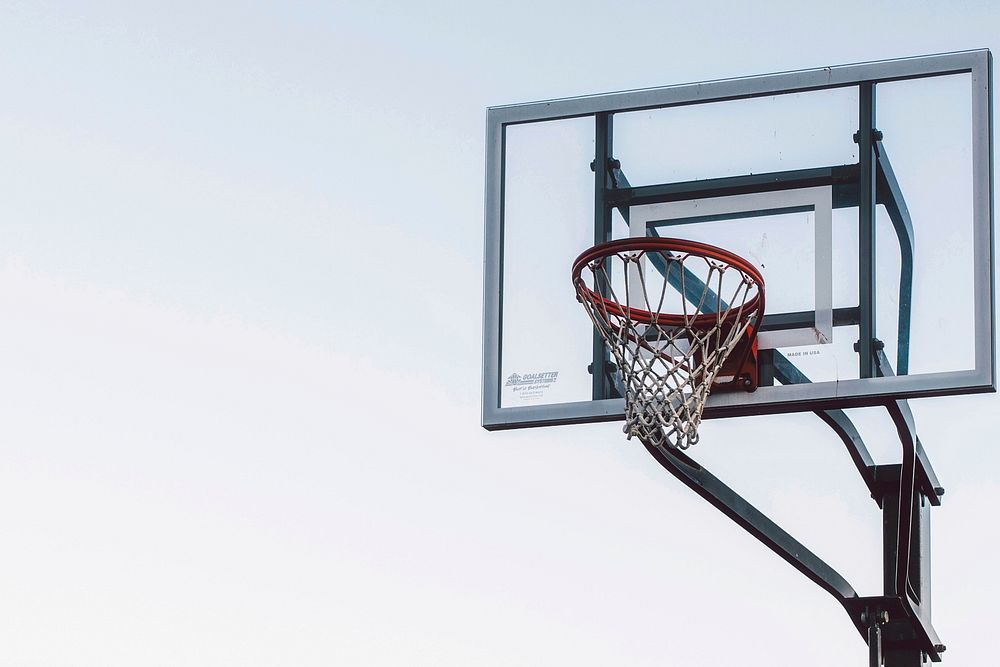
(866, 227)
(874, 644)
(603, 145)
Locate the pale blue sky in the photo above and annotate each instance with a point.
(240, 281)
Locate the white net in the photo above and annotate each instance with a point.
(678, 318)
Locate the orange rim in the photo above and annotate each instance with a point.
(659, 244)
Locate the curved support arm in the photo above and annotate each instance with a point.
(926, 477)
(727, 501)
(903, 420)
(788, 373)
(895, 206)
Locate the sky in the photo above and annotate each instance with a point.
(241, 294)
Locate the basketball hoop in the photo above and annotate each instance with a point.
(686, 329)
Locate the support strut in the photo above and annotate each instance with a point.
(897, 624)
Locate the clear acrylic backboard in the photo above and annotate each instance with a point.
(862, 193)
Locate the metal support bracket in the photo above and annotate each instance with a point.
(896, 625)
(909, 634)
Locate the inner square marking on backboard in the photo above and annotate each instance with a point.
(818, 199)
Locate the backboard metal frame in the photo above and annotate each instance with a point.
(867, 183)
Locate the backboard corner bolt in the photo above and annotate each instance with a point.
(939, 490)
(593, 165)
(940, 648)
(614, 164)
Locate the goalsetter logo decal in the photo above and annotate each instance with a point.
(531, 386)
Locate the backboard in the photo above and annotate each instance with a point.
(862, 193)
